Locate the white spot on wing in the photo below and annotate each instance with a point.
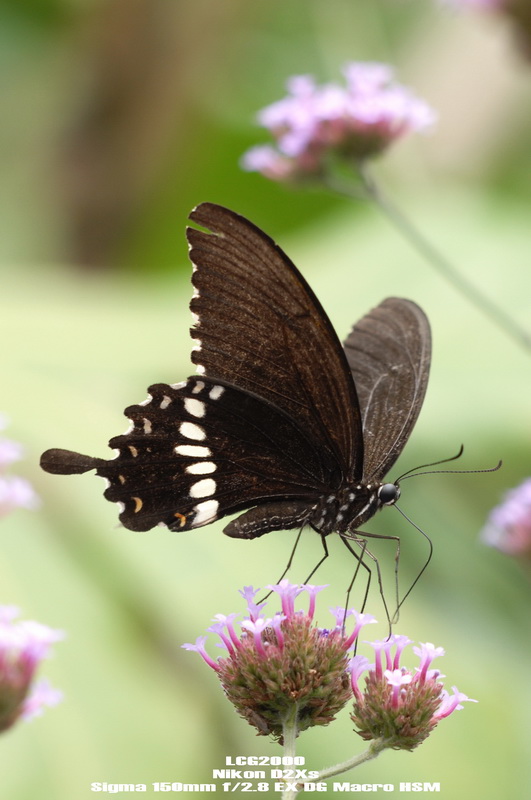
(216, 392)
(194, 407)
(147, 425)
(203, 488)
(193, 451)
(205, 512)
(164, 403)
(201, 468)
(199, 386)
(192, 431)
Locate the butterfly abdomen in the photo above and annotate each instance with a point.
(280, 515)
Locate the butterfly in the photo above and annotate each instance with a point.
(281, 422)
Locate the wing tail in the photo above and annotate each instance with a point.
(67, 462)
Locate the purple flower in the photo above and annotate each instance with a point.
(23, 645)
(14, 492)
(283, 665)
(287, 592)
(508, 527)
(398, 707)
(315, 123)
(10, 451)
(248, 594)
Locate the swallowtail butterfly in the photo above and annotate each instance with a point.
(281, 421)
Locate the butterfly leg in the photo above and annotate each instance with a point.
(395, 539)
(361, 563)
(290, 561)
(314, 570)
(288, 565)
(360, 538)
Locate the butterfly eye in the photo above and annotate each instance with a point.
(388, 493)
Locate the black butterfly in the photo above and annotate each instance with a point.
(281, 420)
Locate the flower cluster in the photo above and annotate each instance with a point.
(284, 669)
(508, 527)
(400, 708)
(14, 492)
(23, 645)
(315, 123)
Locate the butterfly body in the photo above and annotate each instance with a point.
(282, 422)
(346, 510)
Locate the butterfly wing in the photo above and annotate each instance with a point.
(389, 353)
(260, 326)
(201, 450)
(273, 418)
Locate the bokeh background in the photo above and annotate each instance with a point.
(117, 118)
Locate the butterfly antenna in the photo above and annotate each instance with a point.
(412, 473)
(430, 543)
(432, 464)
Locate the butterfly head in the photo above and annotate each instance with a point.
(388, 493)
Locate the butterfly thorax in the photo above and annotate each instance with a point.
(347, 509)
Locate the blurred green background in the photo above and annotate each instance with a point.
(117, 118)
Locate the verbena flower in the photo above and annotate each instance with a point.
(397, 707)
(508, 527)
(23, 645)
(15, 492)
(315, 123)
(284, 668)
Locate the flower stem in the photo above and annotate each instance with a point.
(374, 750)
(437, 260)
(289, 734)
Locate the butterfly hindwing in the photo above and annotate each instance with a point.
(200, 450)
(389, 353)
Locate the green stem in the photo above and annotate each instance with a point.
(437, 260)
(373, 750)
(289, 734)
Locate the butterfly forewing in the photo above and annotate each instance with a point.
(389, 352)
(260, 326)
